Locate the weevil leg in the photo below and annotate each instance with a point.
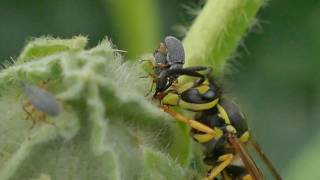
(34, 121)
(152, 75)
(149, 61)
(192, 123)
(33, 114)
(43, 118)
(44, 83)
(27, 104)
(225, 160)
(24, 107)
(30, 114)
(161, 65)
(150, 91)
(26, 111)
(146, 76)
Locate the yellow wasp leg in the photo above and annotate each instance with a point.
(225, 161)
(247, 177)
(202, 138)
(192, 123)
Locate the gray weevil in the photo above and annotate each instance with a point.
(40, 101)
(170, 55)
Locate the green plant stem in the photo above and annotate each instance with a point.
(138, 25)
(217, 30)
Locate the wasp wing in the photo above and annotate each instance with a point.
(245, 157)
(265, 159)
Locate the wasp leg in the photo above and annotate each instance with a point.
(203, 138)
(161, 95)
(225, 175)
(192, 123)
(225, 160)
(247, 177)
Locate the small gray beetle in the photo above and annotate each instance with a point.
(170, 55)
(175, 52)
(40, 100)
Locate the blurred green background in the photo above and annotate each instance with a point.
(275, 76)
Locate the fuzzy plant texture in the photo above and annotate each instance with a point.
(107, 128)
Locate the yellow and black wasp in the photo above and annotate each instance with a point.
(218, 124)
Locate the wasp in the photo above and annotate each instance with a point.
(40, 104)
(218, 124)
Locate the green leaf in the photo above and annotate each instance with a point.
(107, 129)
(41, 47)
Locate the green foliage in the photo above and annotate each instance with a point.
(305, 165)
(42, 47)
(107, 130)
(276, 82)
(217, 31)
(138, 28)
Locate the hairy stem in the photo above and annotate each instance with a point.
(138, 25)
(217, 30)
